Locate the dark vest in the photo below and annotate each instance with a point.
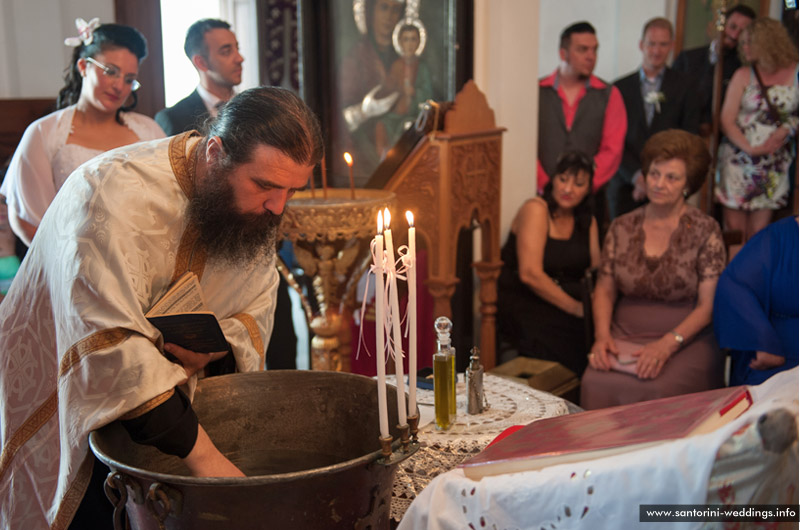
(587, 127)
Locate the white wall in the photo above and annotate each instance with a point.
(32, 50)
(506, 70)
(619, 28)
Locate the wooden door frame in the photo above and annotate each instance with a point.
(145, 15)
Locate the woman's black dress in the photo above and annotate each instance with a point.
(534, 326)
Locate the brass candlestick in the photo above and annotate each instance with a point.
(404, 437)
(413, 422)
(390, 457)
(386, 448)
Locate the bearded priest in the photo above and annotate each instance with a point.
(77, 350)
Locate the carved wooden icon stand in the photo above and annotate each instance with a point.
(450, 179)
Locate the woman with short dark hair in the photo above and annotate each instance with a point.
(655, 287)
(553, 240)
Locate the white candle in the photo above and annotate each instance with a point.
(411, 312)
(349, 161)
(380, 357)
(396, 334)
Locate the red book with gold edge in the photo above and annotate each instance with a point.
(606, 432)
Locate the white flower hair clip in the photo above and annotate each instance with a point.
(85, 32)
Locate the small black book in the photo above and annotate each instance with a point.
(183, 319)
(198, 332)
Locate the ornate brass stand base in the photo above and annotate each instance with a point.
(331, 239)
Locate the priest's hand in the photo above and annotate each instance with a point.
(205, 460)
(191, 361)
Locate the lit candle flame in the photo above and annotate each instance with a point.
(348, 159)
(387, 218)
(410, 218)
(380, 223)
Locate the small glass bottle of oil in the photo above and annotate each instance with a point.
(444, 375)
(441, 390)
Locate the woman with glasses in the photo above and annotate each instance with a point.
(94, 115)
(553, 240)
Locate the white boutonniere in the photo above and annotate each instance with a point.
(655, 98)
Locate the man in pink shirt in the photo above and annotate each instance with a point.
(580, 111)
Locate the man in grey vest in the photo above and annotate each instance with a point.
(580, 111)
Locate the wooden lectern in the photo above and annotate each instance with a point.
(451, 178)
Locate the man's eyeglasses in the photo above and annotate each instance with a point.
(116, 73)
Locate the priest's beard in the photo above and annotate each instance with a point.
(234, 238)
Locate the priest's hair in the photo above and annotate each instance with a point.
(270, 116)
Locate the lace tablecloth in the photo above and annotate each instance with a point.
(510, 403)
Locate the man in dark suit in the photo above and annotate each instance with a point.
(214, 51)
(656, 98)
(699, 63)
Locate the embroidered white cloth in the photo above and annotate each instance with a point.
(602, 493)
(43, 160)
(77, 351)
(510, 403)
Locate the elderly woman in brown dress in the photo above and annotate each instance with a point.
(655, 287)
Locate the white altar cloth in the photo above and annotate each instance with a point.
(602, 493)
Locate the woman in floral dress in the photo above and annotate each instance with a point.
(759, 147)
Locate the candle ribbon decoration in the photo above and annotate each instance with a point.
(387, 314)
(400, 273)
(380, 357)
(378, 263)
(404, 270)
(396, 349)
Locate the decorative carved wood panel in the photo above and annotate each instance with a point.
(451, 179)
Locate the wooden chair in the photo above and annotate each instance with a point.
(733, 240)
